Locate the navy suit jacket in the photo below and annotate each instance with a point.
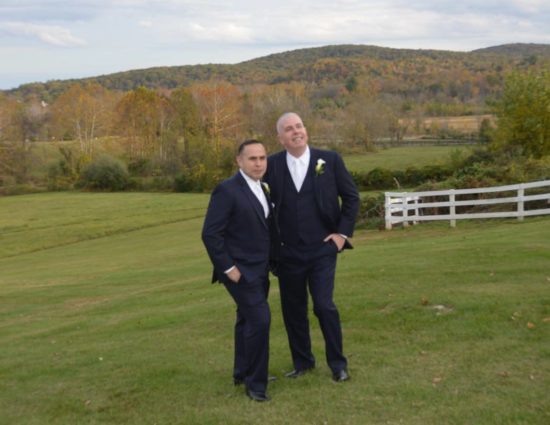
(336, 195)
(235, 231)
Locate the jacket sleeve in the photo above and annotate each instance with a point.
(214, 228)
(347, 191)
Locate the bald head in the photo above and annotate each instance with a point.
(292, 134)
(283, 118)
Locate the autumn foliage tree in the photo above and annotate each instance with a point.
(83, 113)
(524, 115)
(264, 104)
(142, 120)
(186, 123)
(220, 107)
(8, 110)
(19, 124)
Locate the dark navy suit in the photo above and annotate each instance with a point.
(327, 203)
(236, 233)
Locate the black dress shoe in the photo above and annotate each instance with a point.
(340, 376)
(257, 396)
(297, 372)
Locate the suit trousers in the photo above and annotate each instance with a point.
(312, 267)
(251, 331)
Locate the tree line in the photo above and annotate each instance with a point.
(187, 136)
(191, 131)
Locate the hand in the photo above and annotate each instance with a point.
(234, 275)
(338, 239)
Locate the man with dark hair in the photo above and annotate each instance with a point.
(307, 186)
(236, 234)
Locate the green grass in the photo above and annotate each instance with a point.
(401, 158)
(64, 218)
(107, 316)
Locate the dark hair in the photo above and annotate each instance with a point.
(246, 143)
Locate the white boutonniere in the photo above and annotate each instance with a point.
(267, 190)
(320, 167)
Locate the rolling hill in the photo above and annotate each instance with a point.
(405, 72)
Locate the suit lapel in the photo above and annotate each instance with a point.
(281, 176)
(312, 162)
(314, 157)
(255, 203)
(267, 197)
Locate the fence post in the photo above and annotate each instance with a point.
(521, 194)
(452, 207)
(405, 210)
(387, 206)
(416, 210)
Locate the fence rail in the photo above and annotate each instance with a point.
(413, 207)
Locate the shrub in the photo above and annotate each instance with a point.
(359, 179)
(199, 178)
(183, 183)
(140, 167)
(531, 169)
(371, 212)
(413, 176)
(104, 173)
(61, 176)
(380, 178)
(160, 184)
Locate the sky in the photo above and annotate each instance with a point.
(43, 40)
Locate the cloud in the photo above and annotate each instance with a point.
(345, 21)
(224, 32)
(89, 10)
(51, 10)
(165, 32)
(289, 22)
(145, 23)
(49, 34)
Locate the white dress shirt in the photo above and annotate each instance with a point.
(256, 188)
(298, 167)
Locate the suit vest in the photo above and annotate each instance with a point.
(299, 217)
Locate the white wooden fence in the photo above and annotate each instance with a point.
(410, 207)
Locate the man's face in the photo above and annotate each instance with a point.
(253, 161)
(293, 134)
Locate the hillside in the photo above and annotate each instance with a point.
(404, 72)
(518, 50)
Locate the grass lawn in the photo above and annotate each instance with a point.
(401, 158)
(107, 316)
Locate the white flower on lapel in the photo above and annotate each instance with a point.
(266, 188)
(320, 167)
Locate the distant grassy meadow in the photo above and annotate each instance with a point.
(400, 158)
(108, 317)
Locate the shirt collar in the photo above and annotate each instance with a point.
(248, 179)
(304, 159)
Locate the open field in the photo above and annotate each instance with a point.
(468, 124)
(401, 158)
(108, 317)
